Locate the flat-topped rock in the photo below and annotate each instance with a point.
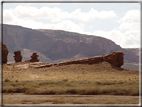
(116, 59)
(95, 59)
(26, 65)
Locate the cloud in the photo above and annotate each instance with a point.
(69, 26)
(114, 35)
(131, 16)
(130, 25)
(128, 32)
(56, 14)
(63, 25)
(26, 16)
(131, 21)
(92, 15)
(26, 12)
(8, 16)
(129, 39)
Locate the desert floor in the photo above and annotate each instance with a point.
(70, 99)
(99, 83)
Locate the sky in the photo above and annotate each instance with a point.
(119, 22)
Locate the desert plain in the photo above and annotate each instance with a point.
(101, 83)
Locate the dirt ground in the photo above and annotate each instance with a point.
(18, 96)
(24, 96)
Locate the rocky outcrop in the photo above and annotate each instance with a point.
(34, 58)
(95, 59)
(116, 59)
(4, 53)
(39, 65)
(18, 56)
(27, 65)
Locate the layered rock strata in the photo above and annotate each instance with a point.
(18, 56)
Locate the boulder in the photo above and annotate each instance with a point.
(4, 53)
(18, 56)
(34, 58)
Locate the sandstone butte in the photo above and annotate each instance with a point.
(116, 58)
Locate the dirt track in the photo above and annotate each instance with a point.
(24, 96)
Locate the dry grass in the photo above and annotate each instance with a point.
(71, 87)
(76, 79)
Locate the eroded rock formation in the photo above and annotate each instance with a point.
(95, 59)
(116, 59)
(34, 58)
(4, 53)
(18, 56)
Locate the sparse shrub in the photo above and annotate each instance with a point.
(91, 91)
(30, 91)
(65, 80)
(6, 80)
(71, 91)
(46, 75)
(67, 84)
(6, 89)
(134, 92)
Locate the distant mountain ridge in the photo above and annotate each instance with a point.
(54, 46)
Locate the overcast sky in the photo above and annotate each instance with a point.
(119, 22)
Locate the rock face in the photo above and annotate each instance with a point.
(18, 56)
(116, 58)
(4, 53)
(34, 58)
